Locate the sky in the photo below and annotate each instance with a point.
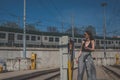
(43, 13)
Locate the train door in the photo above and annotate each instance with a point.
(11, 38)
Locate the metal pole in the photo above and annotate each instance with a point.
(72, 54)
(24, 36)
(104, 27)
(72, 28)
(62, 27)
(18, 21)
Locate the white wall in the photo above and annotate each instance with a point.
(50, 57)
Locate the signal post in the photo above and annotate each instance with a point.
(66, 58)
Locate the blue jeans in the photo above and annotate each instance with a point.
(85, 61)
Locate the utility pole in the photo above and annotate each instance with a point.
(104, 26)
(18, 21)
(72, 27)
(24, 35)
(62, 27)
(73, 47)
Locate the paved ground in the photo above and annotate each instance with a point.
(18, 73)
(101, 75)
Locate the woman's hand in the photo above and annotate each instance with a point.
(87, 48)
(76, 60)
(90, 49)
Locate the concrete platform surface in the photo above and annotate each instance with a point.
(100, 73)
(7, 75)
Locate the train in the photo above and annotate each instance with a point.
(13, 37)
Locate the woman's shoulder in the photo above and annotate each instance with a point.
(92, 41)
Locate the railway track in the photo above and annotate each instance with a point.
(113, 72)
(116, 66)
(47, 76)
(42, 75)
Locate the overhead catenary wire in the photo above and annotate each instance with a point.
(114, 18)
(28, 18)
(51, 8)
(59, 12)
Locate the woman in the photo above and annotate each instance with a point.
(84, 59)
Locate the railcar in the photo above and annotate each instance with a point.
(10, 37)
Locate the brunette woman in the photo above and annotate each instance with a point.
(84, 59)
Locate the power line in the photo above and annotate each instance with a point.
(57, 9)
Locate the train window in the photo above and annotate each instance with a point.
(33, 38)
(50, 39)
(27, 37)
(19, 37)
(38, 37)
(109, 42)
(2, 35)
(56, 39)
(112, 42)
(116, 42)
(106, 42)
(102, 42)
(79, 40)
(75, 40)
(97, 41)
(45, 38)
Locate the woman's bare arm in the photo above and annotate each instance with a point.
(80, 49)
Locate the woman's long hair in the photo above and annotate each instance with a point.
(90, 34)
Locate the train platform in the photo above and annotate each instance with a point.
(24, 74)
(100, 73)
(43, 74)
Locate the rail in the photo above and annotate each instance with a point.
(32, 75)
(112, 71)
